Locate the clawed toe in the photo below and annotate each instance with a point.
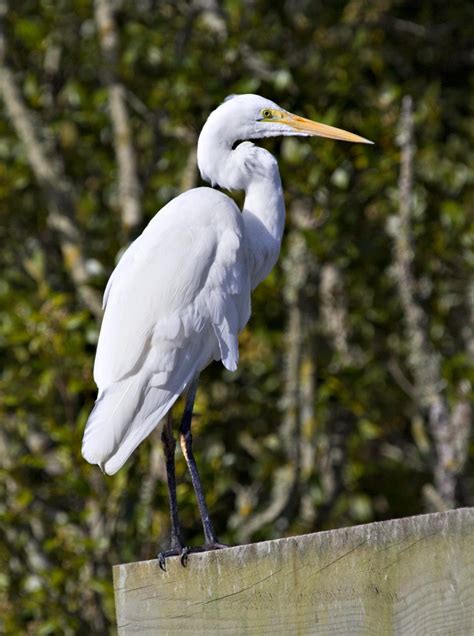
(184, 556)
(162, 561)
(215, 545)
(179, 552)
(185, 551)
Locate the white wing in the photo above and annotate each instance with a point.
(177, 299)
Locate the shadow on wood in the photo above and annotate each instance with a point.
(406, 576)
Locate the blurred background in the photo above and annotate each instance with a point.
(352, 401)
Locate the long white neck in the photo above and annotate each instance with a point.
(264, 219)
(255, 171)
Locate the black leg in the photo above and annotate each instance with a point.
(169, 447)
(185, 439)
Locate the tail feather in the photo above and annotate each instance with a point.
(156, 404)
(115, 407)
(127, 411)
(124, 414)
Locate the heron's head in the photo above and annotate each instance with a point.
(248, 117)
(254, 117)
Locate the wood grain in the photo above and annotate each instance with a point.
(405, 576)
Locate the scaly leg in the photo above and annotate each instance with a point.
(185, 439)
(177, 547)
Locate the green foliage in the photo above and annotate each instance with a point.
(348, 63)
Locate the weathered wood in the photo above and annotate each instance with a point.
(406, 576)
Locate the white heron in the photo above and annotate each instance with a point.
(180, 294)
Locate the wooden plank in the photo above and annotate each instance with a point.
(405, 576)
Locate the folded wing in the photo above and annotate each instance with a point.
(176, 300)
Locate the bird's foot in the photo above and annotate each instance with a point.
(181, 551)
(184, 551)
(214, 545)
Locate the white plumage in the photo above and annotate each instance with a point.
(166, 317)
(181, 292)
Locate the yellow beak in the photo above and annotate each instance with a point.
(309, 127)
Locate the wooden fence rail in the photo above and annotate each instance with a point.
(405, 576)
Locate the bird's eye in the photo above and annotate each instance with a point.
(267, 113)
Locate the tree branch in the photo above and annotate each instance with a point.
(423, 360)
(189, 176)
(334, 313)
(128, 183)
(48, 171)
